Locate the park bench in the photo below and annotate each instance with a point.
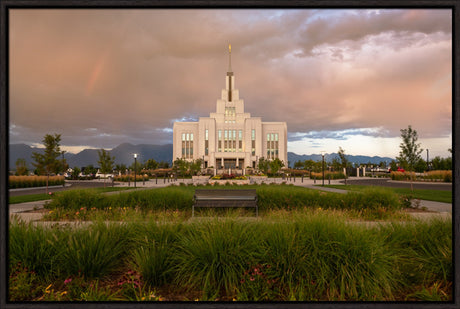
(224, 198)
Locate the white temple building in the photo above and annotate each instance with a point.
(230, 138)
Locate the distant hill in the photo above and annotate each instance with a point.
(124, 155)
(292, 158)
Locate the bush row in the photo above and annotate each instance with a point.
(309, 257)
(269, 197)
(445, 176)
(328, 175)
(126, 178)
(15, 182)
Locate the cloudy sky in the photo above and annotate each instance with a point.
(339, 78)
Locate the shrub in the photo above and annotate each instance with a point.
(328, 175)
(126, 178)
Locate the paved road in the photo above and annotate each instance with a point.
(442, 186)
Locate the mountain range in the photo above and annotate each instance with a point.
(123, 154)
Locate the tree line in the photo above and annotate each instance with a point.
(52, 161)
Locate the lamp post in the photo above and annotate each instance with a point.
(135, 168)
(427, 160)
(322, 154)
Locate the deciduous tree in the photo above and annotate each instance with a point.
(21, 167)
(263, 165)
(48, 162)
(105, 162)
(343, 162)
(410, 150)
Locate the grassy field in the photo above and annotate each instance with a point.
(429, 195)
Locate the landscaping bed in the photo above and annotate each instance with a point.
(302, 247)
(287, 256)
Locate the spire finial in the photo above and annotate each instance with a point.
(229, 57)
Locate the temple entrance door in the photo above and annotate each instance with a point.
(229, 163)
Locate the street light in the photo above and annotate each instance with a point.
(427, 160)
(135, 168)
(322, 154)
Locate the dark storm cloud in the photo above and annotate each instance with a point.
(103, 77)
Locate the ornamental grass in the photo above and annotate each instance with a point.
(313, 256)
(15, 182)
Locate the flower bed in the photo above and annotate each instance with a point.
(213, 181)
(229, 177)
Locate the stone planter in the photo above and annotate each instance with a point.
(259, 179)
(200, 179)
(230, 181)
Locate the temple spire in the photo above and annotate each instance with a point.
(229, 74)
(229, 57)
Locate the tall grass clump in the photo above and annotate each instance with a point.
(376, 202)
(94, 251)
(402, 175)
(77, 199)
(372, 199)
(34, 247)
(154, 251)
(445, 176)
(15, 182)
(170, 198)
(211, 256)
(289, 197)
(424, 250)
(316, 257)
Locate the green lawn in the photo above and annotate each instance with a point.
(428, 195)
(42, 196)
(28, 198)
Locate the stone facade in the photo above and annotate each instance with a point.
(230, 139)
